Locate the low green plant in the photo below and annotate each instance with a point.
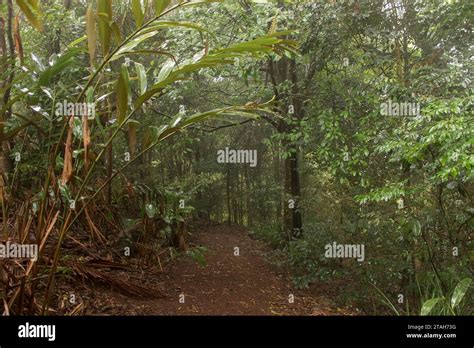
(449, 304)
(198, 255)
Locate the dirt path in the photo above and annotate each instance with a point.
(246, 284)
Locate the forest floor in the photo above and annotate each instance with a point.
(247, 284)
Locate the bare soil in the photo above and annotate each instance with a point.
(247, 284)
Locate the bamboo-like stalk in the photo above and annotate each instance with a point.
(66, 225)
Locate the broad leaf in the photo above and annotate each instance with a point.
(32, 10)
(160, 6)
(429, 305)
(141, 74)
(218, 58)
(105, 33)
(133, 43)
(416, 228)
(65, 60)
(165, 70)
(121, 92)
(460, 291)
(137, 12)
(91, 35)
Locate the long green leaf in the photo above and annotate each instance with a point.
(160, 6)
(198, 2)
(218, 58)
(460, 291)
(141, 74)
(165, 70)
(157, 52)
(122, 96)
(32, 10)
(62, 63)
(429, 305)
(91, 35)
(105, 33)
(133, 43)
(137, 12)
(157, 25)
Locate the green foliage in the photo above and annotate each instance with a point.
(198, 255)
(32, 11)
(270, 234)
(204, 70)
(448, 305)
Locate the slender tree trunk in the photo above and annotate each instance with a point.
(248, 190)
(229, 211)
(7, 60)
(292, 220)
(277, 174)
(291, 107)
(109, 166)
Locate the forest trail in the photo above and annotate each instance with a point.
(247, 284)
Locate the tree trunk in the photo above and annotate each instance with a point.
(229, 211)
(248, 203)
(6, 54)
(109, 156)
(292, 221)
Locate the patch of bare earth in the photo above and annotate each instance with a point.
(246, 284)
